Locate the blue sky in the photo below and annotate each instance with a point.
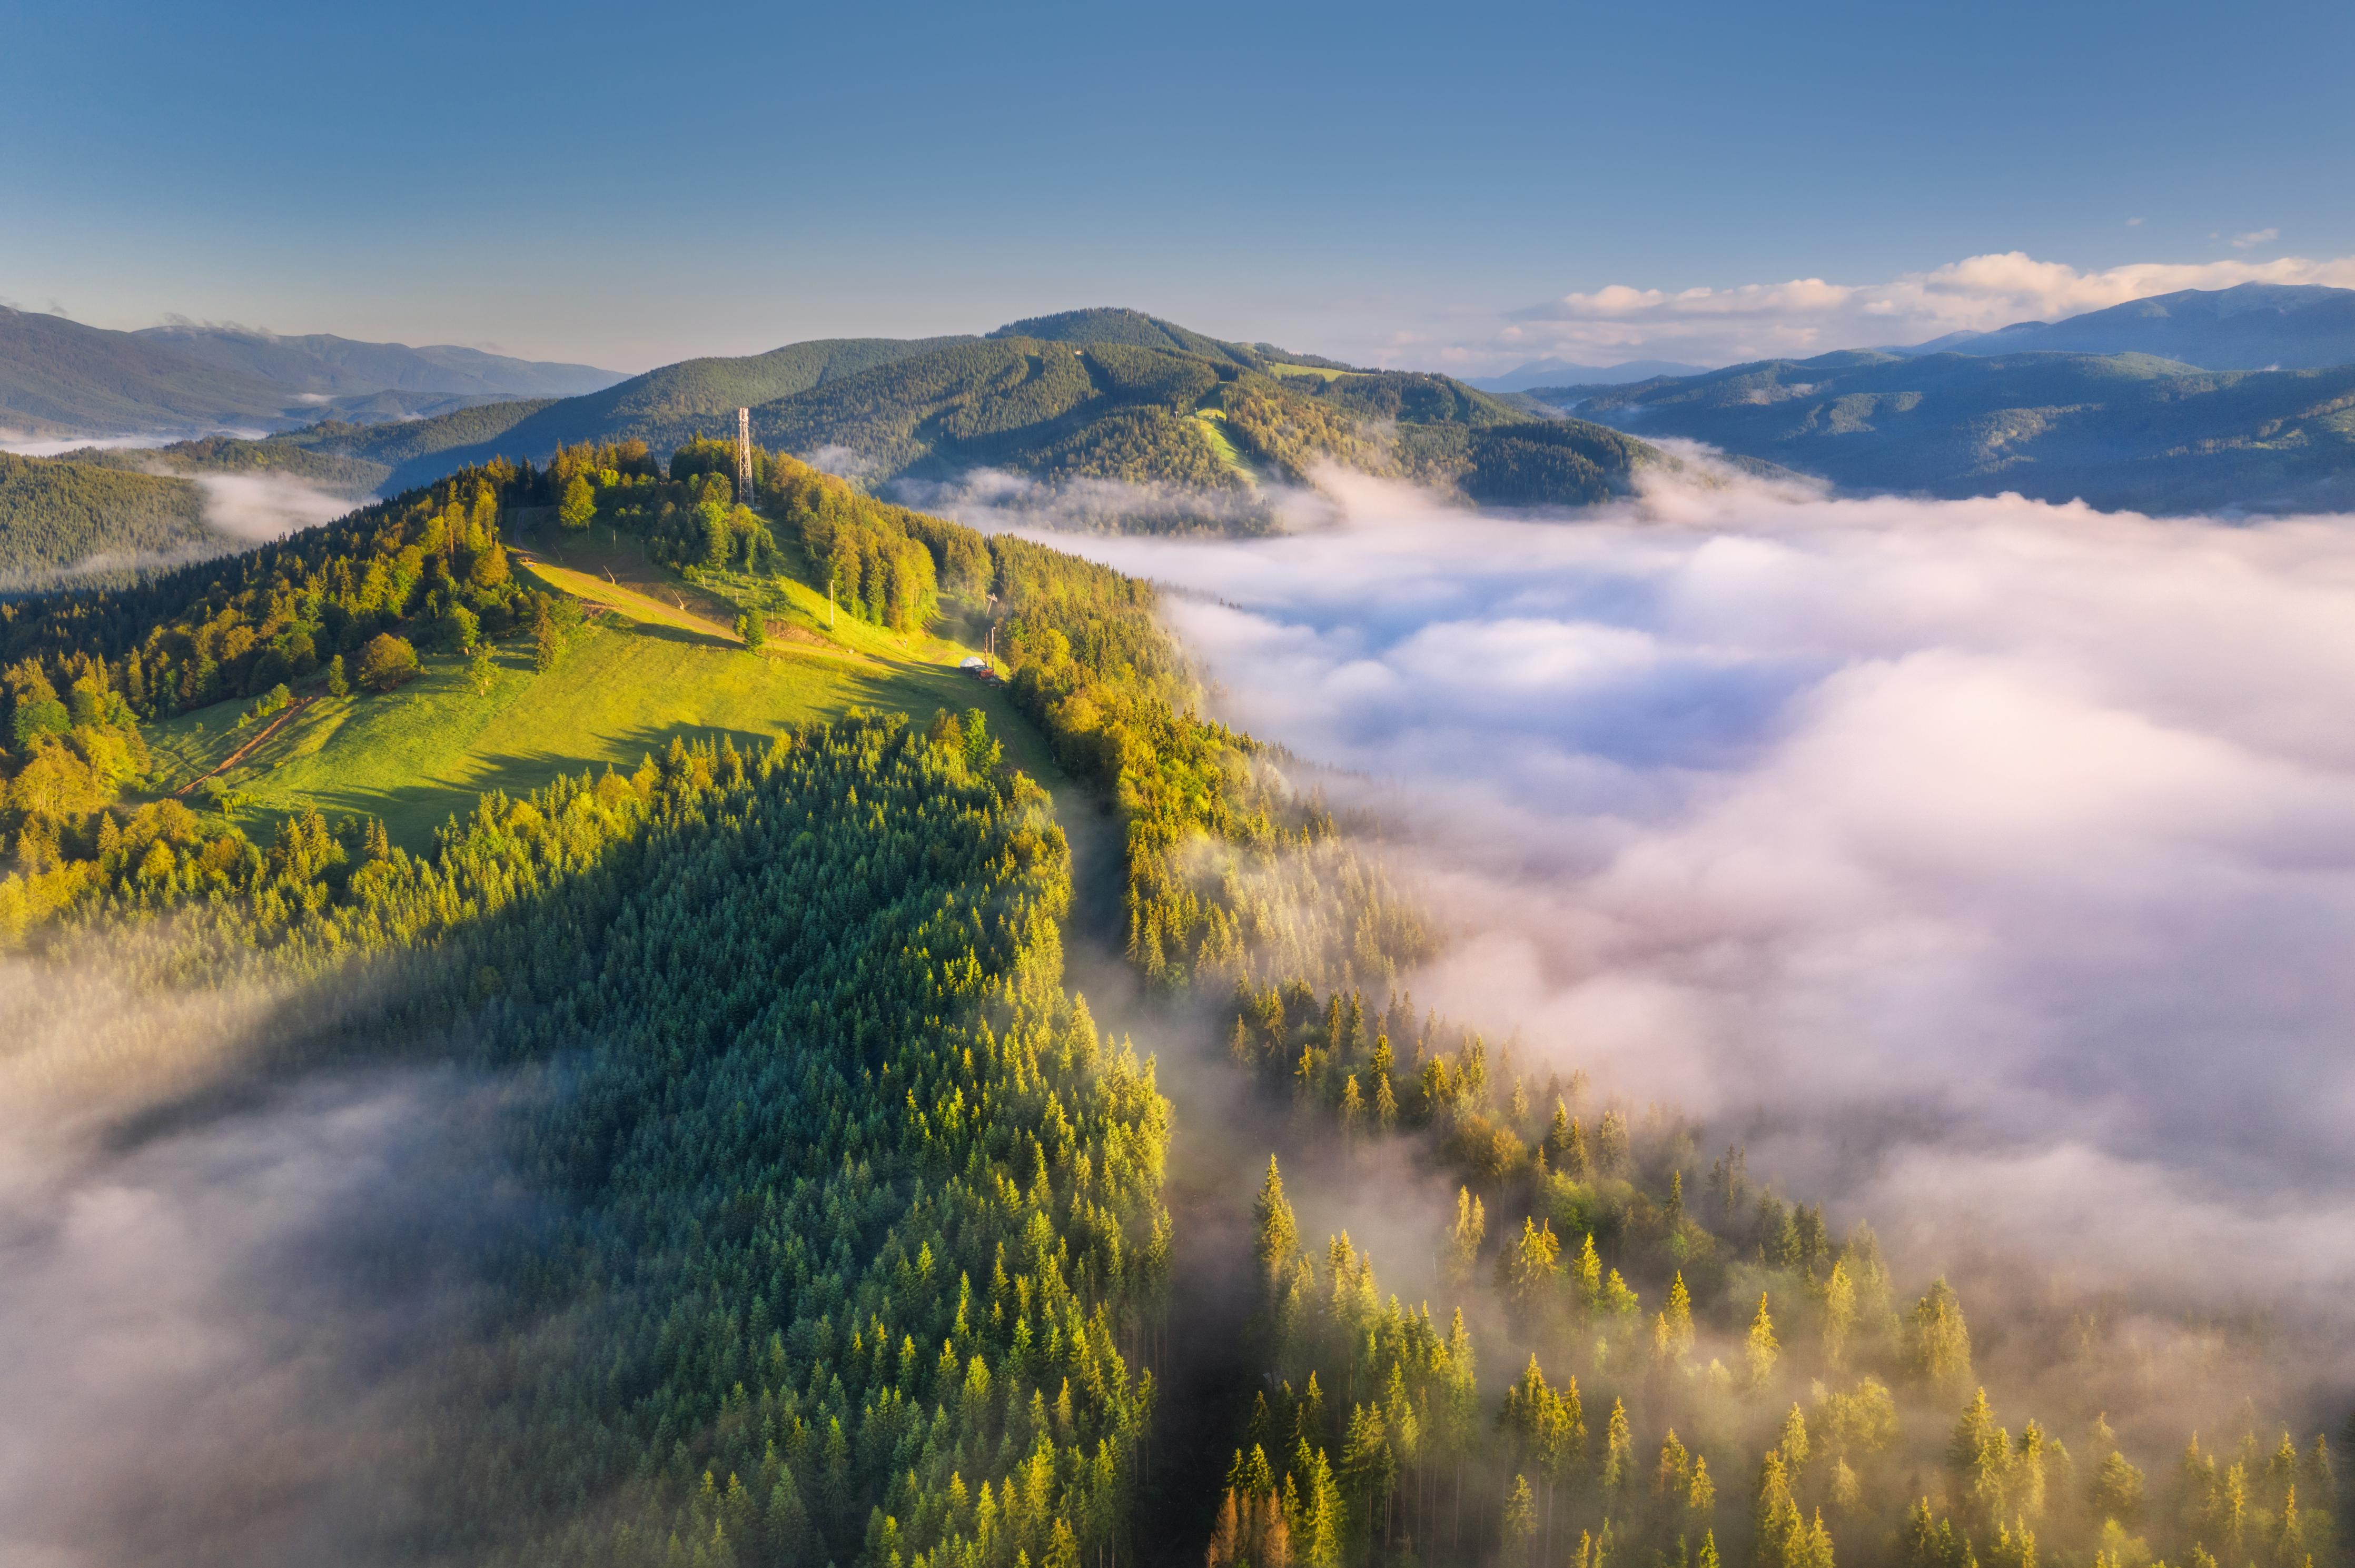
(1456, 186)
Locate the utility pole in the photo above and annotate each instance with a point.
(744, 456)
(829, 604)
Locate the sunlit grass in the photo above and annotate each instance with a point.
(629, 678)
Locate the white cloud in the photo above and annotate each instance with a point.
(1812, 316)
(261, 1282)
(19, 443)
(1929, 846)
(263, 506)
(2255, 237)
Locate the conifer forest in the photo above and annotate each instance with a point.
(862, 1238)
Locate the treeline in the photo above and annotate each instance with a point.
(1531, 464)
(341, 606)
(237, 626)
(1695, 1370)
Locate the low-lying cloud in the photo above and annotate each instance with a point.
(1989, 866)
(238, 510)
(224, 1307)
(258, 508)
(992, 498)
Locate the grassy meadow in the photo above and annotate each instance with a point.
(657, 657)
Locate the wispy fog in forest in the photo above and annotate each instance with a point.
(1987, 867)
(224, 1309)
(260, 506)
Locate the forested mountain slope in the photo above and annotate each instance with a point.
(56, 515)
(336, 456)
(325, 364)
(676, 400)
(59, 377)
(1134, 329)
(857, 1249)
(1088, 395)
(2123, 430)
(668, 406)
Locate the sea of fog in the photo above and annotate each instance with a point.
(1987, 867)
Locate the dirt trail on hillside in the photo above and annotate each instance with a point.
(234, 758)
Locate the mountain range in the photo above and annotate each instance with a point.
(2255, 326)
(1103, 394)
(2128, 431)
(1558, 373)
(2077, 409)
(59, 379)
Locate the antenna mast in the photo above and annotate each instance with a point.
(744, 456)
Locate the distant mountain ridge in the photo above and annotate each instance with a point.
(1560, 373)
(2126, 431)
(321, 363)
(2252, 326)
(62, 378)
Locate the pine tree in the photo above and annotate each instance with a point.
(1279, 1232)
(1586, 1273)
(1700, 1493)
(2014, 1546)
(1618, 1451)
(1839, 1314)
(1792, 1443)
(1673, 1476)
(1463, 1238)
(1774, 1516)
(1526, 1269)
(1940, 1340)
(1675, 1318)
(1520, 1517)
(1763, 1349)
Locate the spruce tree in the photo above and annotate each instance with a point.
(1763, 1349)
